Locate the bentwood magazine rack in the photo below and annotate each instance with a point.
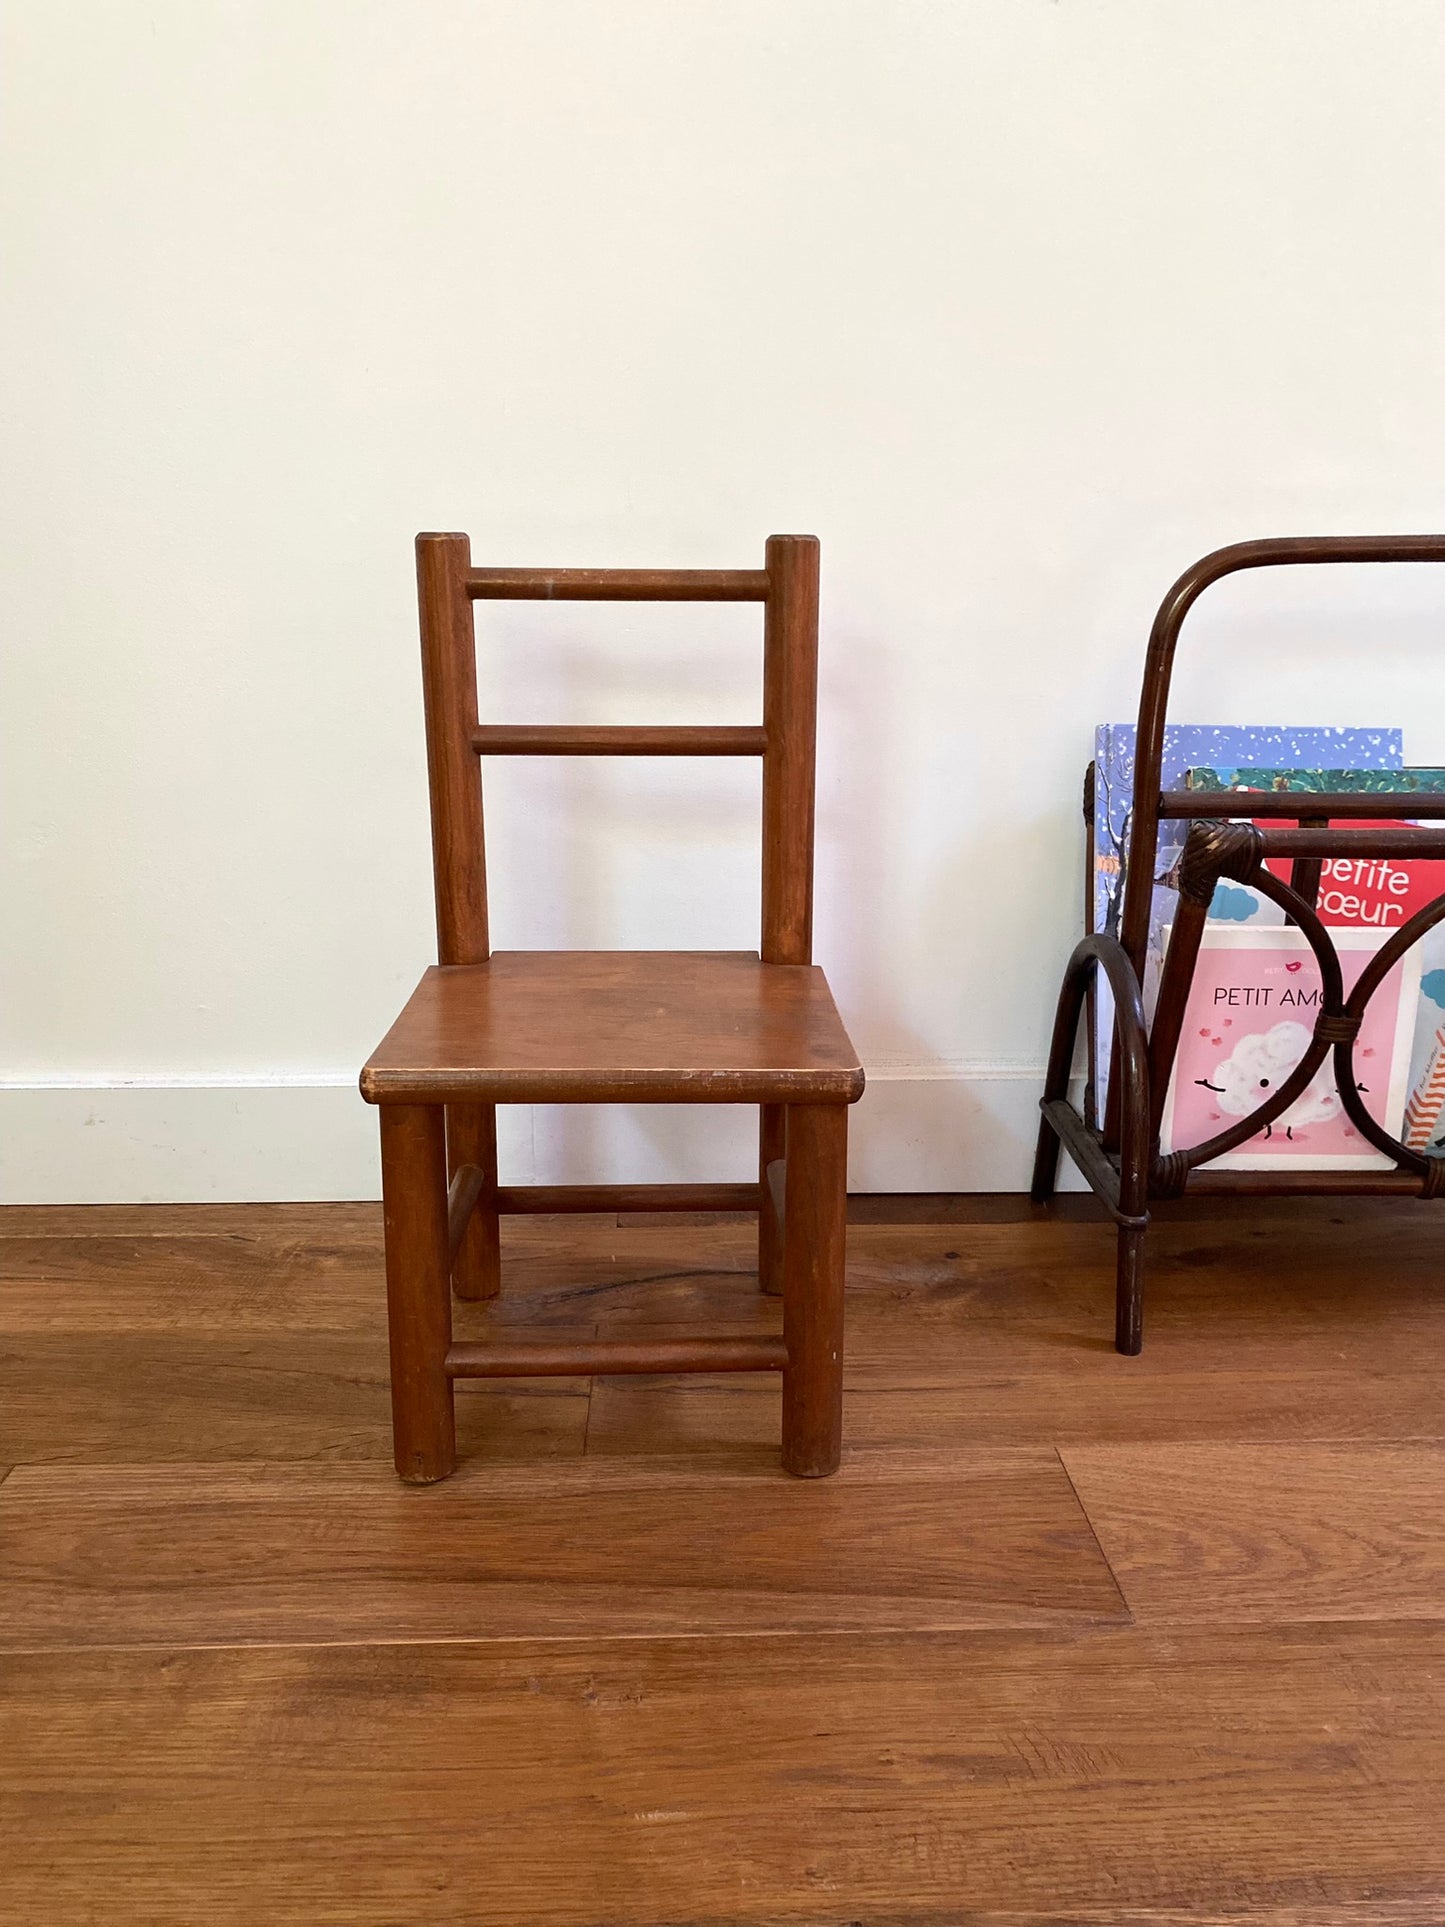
(1119, 1153)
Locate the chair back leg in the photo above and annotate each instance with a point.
(472, 1142)
(772, 1151)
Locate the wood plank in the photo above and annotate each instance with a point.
(320, 1219)
(573, 1548)
(320, 1268)
(929, 1304)
(999, 1337)
(73, 1398)
(1282, 1778)
(943, 1305)
(1227, 1297)
(230, 1278)
(673, 1414)
(1269, 1532)
(1211, 1768)
(293, 1224)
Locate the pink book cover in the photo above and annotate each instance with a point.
(1251, 1014)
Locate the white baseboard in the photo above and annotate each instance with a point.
(960, 1127)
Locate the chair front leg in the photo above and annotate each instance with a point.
(472, 1140)
(418, 1290)
(813, 1254)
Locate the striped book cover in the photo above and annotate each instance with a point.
(1422, 1113)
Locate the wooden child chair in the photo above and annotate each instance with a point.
(584, 1027)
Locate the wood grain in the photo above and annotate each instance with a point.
(940, 1305)
(618, 585)
(700, 1202)
(217, 1333)
(1283, 1778)
(672, 1415)
(562, 1358)
(82, 1398)
(475, 1237)
(127, 1268)
(449, 691)
(790, 718)
(302, 1693)
(566, 739)
(1297, 1531)
(593, 1026)
(418, 1290)
(571, 1548)
(308, 1268)
(814, 1220)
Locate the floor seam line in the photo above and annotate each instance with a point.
(1124, 1598)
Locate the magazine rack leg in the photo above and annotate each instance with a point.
(1123, 1185)
(1046, 1163)
(1129, 1291)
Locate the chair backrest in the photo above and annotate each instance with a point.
(787, 587)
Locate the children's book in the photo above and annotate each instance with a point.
(1423, 1113)
(1379, 892)
(1193, 746)
(1250, 1017)
(1387, 891)
(1371, 782)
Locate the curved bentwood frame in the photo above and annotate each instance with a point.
(1122, 1160)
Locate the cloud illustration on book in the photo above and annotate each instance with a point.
(1259, 1064)
(1232, 905)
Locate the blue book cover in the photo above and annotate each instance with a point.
(1194, 746)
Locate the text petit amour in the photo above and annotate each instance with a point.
(1257, 996)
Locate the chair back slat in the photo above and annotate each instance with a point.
(547, 739)
(618, 585)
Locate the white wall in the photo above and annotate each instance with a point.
(1018, 304)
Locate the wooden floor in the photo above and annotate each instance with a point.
(1071, 1638)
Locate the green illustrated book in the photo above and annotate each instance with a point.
(1368, 782)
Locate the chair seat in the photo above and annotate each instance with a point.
(598, 1026)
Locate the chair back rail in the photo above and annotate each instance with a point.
(787, 587)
